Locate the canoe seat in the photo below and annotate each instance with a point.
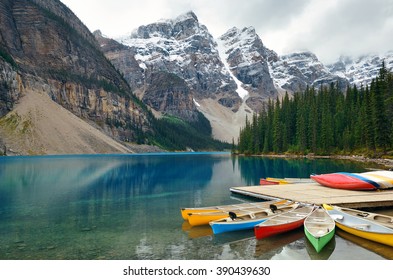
(364, 215)
(316, 227)
(319, 220)
(232, 215)
(337, 217)
(360, 226)
(273, 207)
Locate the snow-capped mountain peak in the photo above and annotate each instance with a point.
(181, 27)
(247, 59)
(360, 71)
(243, 93)
(184, 47)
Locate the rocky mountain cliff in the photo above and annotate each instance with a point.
(198, 79)
(10, 84)
(44, 47)
(162, 91)
(184, 47)
(248, 60)
(294, 72)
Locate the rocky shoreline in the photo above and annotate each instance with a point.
(136, 148)
(382, 163)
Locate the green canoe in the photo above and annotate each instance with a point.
(319, 228)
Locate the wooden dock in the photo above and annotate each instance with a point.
(317, 194)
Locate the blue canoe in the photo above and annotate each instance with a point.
(248, 221)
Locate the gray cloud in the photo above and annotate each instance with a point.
(264, 15)
(351, 27)
(327, 28)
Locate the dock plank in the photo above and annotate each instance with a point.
(317, 194)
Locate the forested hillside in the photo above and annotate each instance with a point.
(325, 121)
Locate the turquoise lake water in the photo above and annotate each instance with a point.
(128, 207)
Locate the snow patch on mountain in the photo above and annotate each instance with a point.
(166, 41)
(247, 60)
(294, 72)
(361, 70)
(243, 93)
(184, 47)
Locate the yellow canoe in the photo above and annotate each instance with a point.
(283, 181)
(383, 238)
(203, 218)
(381, 219)
(361, 227)
(278, 180)
(226, 208)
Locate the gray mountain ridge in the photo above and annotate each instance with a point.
(259, 69)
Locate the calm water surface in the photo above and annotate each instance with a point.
(128, 207)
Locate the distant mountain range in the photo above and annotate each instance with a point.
(228, 77)
(361, 70)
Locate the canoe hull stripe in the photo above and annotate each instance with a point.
(357, 176)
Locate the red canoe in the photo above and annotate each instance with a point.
(283, 222)
(264, 182)
(348, 181)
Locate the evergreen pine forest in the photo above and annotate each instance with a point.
(326, 121)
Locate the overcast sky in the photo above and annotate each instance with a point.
(329, 28)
